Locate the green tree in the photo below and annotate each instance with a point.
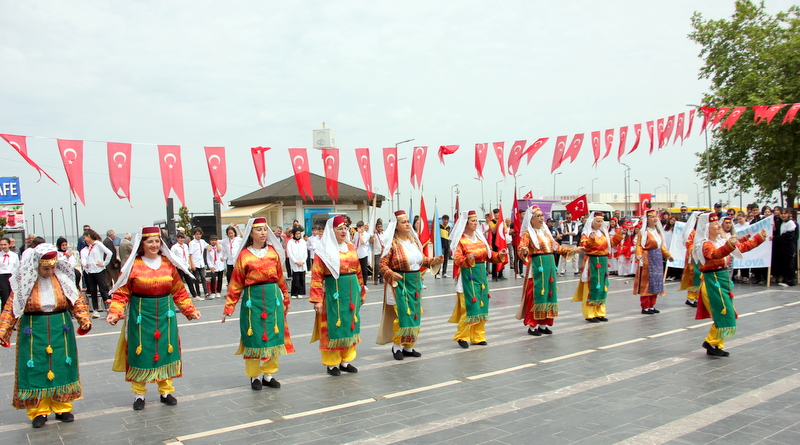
(752, 58)
(183, 218)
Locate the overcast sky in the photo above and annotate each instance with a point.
(247, 73)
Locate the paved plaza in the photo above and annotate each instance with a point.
(636, 379)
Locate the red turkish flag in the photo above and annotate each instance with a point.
(424, 232)
(650, 133)
(533, 148)
(390, 166)
(718, 117)
(258, 154)
(790, 114)
(500, 237)
(623, 137)
(302, 175)
(19, 144)
(645, 203)
(480, 158)
(558, 154)
(691, 120)
(169, 159)
(446, 150)
(733, 117)
(362, 156)
(660, 126)
(708, 113)
(758, 113)
(679, 129)
(517, 151)
(637, 130)
(596, 146)
(458, 210)
(499, 148)
(574, 148)
(578, 207)
(772, 111)
(330, 160)
(217, 171)
(668, 127)
(418, 165)
(119, 169)
(609, 138)
(72, 157)
(516, 220)
(528, 195)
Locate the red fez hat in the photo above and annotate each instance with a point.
(338, 220)
(259, 222)
(49, 258)
(400, 213)
(650, 212)
(598, 215)
(150, 231)
(472, 213)
(712, 217)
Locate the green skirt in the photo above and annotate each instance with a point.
(476, 293)
(343, 304)
(408, 299)
(261, 321)
(545, 288)
(154, 349)
(717, 288)
(598, 279)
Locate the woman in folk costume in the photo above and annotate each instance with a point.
(43, 296)
(592, 290)
(337, 293)
(539, 303)
(650, 253)
(258, 279)
(401, 265)
(470, 256)
(712, 253)
(150, 289)
(613, 255)
(690, 280)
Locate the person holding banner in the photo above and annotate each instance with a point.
(539, 303)
(650, 252)
(592, 290)
(712, 253)
(470, 256)
(337, 293)
(401, 265)
(690, 280)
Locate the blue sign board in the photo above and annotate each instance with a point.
(9, 190)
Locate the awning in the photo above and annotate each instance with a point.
(248, 211)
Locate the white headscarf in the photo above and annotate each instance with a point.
(526, 225)
(701, 236)
(272, 240)
(27, 274)
(328, 248)
(603, 230)
(388, 236)
(125, 273)
(645, 229)
(690, 223)
(458, 231)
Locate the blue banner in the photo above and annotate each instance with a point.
(9, 190)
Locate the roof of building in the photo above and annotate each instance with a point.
(286, 190)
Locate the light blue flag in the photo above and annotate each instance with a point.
(437, 233)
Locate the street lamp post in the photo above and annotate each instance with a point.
(483, 200)
(697, 193)
(496, 193)
(639, 184)
(554, 184)
(669, 192)
(627, 181)
(398, 171)
(579, 190)
(592, 198)
(453, 200)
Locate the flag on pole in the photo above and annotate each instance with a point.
(516, 221)
(437, 233)
(424, 231)
(500, 235)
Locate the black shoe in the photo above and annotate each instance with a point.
(463, 344)
(334, 371)
(65, 417)
(138, 404)
(412, 353)
(349, 368)
(593, 320)
(534, 332)
(690, 303)
(169, 399)
(255, 384)
(655, 311)
(601, 319)
(502, 278)
(648, 311)
(39, 421)
(398, 355)
(271, 383)
(481, 343)
(715, 351)
(546, 330)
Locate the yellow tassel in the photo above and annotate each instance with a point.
(723, 311)
(276, 329)
(170, 349)
(483, 286)
(542, 291)
(606, 288)
(481, 303)
(138, 349)
(50, 375)
(249, 332)
(338, 323)
(49, 351)
(408, 311)
(355, 318)
(421, 311)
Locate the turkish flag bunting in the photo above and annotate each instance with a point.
(578, 207)
(718, 117)
(623, 137)
(517, 151)
(390, 166)
(362, 156)
(733, 117)
(533, 148)
(660, 126)
(480, 158)
(758, 113)
(596, 146)
(668, 127)
(418, 165)
(558, 154)
(609, 138)
(72, 157)
(679, 129)
(258, 154)
(500, 237)
(330, 160)
(637, 130)
(691, 120)
(18, 143)
(528, 195)
(499, 148)
(217, 171)
(445, 150)
(772, 111)
(302, 175)
(516, 220)
(650, 133)
(574, 148)
(708, 113)
(425, 232)
(790, 114)
(119, 169)
(169, 159)
(458, 210)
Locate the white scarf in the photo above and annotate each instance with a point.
(27, 274)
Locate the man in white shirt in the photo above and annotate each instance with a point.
(361, 239)
(180, 251)
(570, 238)
(311, 244)
(297, 254)
(9, 261)
(197, 264)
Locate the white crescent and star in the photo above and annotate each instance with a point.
(167, 156)
(74, 155)
(333, 162)
(298, 166)
(364, 162)
(124, 158)
(211, 158)
(16, 146)
(390, 159)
